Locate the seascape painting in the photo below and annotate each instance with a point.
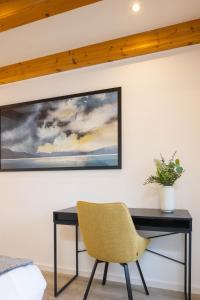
(81, 131)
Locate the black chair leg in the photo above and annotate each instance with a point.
(90, 280)
(128, 282)
(105, 274)
(142, 278)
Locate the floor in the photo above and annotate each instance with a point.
(112, 291)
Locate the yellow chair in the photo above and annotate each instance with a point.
(110, 237)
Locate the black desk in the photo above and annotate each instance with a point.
(144, 219)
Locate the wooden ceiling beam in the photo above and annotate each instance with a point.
(174, 36)
(15, 13)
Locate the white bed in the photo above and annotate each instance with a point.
(24, 283)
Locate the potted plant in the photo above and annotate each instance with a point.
(166, 175)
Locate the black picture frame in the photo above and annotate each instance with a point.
(5, 110)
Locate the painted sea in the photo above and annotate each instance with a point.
(61, 161)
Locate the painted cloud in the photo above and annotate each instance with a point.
(80, 124)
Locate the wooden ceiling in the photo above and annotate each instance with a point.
(14, 13)
(179, 35)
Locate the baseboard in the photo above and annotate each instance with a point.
(119, 278)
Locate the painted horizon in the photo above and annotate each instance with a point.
(70, 132)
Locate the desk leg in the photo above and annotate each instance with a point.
(185, 266)
(55, 260)
(77, 270)
(190, 266)
(187, 262)
(56, 291)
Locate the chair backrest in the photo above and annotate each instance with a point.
(108, 231)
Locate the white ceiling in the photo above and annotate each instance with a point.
(91, 24)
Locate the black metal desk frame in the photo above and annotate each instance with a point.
(179, 222)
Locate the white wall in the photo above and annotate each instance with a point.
(160, 113)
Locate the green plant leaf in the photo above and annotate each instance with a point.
(166, 173)
(179, 169)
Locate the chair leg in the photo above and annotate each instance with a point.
(90, 280)
(128, 282)
(142, 278)
(105, 274)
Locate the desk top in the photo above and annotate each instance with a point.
(148, 213)
(143, 218)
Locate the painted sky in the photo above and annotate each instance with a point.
(85, 123)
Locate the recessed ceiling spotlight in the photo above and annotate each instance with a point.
(136, 7)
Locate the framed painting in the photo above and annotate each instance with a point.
(80, 131)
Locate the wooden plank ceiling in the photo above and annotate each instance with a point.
(14, 13)
(179, 35)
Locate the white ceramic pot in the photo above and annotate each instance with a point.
(167, 199)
